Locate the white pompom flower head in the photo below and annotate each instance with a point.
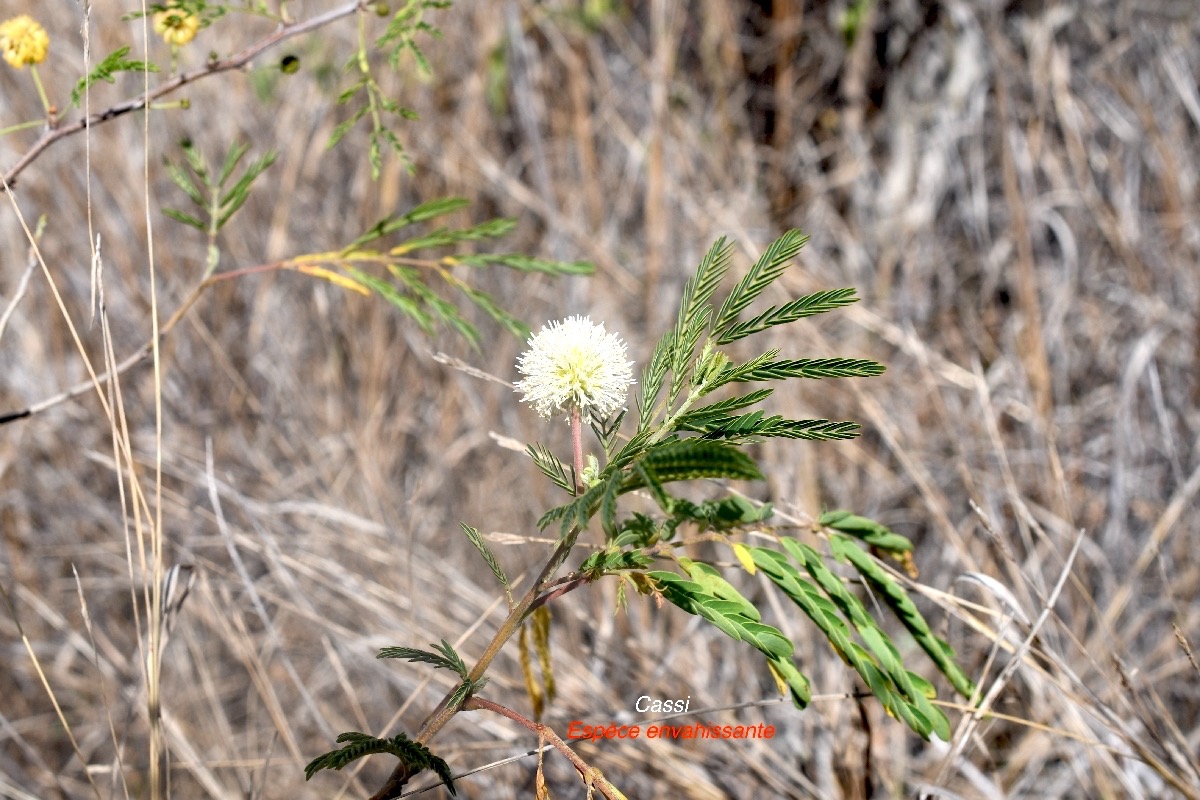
(575, 363)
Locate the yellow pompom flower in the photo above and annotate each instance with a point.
(23, 41)
(176, 26)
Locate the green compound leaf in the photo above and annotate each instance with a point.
(414, 754)
(733, 373)
(705, 414)
(807, 306)
(724, 514)
(444, 658)
(488, 305)
(180, 178)
(688, 459)
(683, 344)
(868, 530)
(421, 213)
(231, 161)
(816, 368)
(893, 594)
(604, 562)
(653, 375)
(113, 63)
(727, 615)
(524, 263)
(232, 200)
(465, 690)
(186, 219)
(443, 237)
(699, 290)
(551, 467)
(608, 505)
(769, 267)
(712, 582)
(578, 511)
(409, 306)
(826, 615)
(695, 311)
(709, 596)
(477, 539)
(756, 425)
(881, 647)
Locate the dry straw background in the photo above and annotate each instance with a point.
(1012, 186)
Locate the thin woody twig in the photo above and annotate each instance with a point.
(444, 711)
(213, 67)
(590, 774)
(143, 352)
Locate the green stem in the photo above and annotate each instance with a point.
(37, 81)
(33, 123)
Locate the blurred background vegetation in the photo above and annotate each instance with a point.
(1011, 186)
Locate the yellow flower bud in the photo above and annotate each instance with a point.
(23, 41)
(176, 26)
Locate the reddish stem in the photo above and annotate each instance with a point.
(591, 776)
(577, 447)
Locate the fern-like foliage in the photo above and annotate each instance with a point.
(552, 467)
(708, 595)
(677, 441)
(381, 262)
(357, 745)
(841, 615)
(868, 530)
(801, 307)
(680, 438)
(215, 193)
(489, 557)
(769, 266)
(444, 658)
(371, 101)
(105, 71)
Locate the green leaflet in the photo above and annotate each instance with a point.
(816, 368)
(488, 556)
(798, 685)
(725, 614)
(444, 658)
(414, 754)
(868, 530)
(712, 582)
(769, 266)
(892, 593)
(688, 459)
(807, 306)
(881, 647)
(827, 617)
